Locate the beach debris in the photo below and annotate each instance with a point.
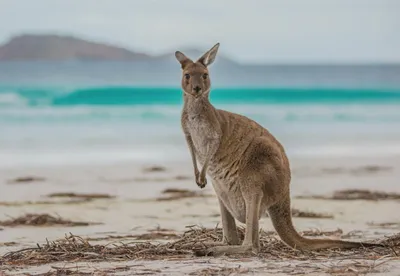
(372, 169)
(216, 271)
(318, 233)
(154, 169)
(161, 179)
(385, 225)
(182, 177)
(77, 249)
(357, 170)
(8, 244)
(356, 194)
(44, 202)
(154, 179)
(88, 270)
(176, 194)
(354, 267)
(26, 179)
(145, 236)
(42, 220)
(305, 171)
(81, 196)
(149, 179)
(157, 233)
(296, 213)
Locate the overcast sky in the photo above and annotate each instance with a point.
(248, 30)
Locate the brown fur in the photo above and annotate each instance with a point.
(249, 169)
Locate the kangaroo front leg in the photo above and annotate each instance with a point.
(189, 142)
(212, 147)
(251, 240)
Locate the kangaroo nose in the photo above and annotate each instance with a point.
(197, 89)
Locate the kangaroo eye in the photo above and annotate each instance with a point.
(205, 76)
(187, 76)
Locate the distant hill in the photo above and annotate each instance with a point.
(55, 47)
(29, 47)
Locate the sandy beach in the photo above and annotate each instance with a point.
(131, 201)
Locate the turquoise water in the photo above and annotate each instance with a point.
(123, 96)
(48, 123)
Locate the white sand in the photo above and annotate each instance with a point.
(134, 210)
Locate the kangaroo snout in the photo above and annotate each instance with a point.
(197, 89)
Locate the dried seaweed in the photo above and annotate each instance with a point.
(153, 235)
(385, 225)
(220, 271)
(26, 179)
(182, 177)
(356, 194)
(81, 196)
(154, 169)
(359, 170)
(317, 233)
(8, 243)
(74, 248)
(44, 202)
(176, 194)
(83, 270)
(42, 220)
(296, 213)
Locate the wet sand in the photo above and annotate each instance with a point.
(132, 206)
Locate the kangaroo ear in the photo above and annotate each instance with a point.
(209, 57)
(184, 60)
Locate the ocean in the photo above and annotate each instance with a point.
(102, 114)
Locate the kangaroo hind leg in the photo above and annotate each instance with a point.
(251, 240)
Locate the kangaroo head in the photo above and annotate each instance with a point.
(195, 79)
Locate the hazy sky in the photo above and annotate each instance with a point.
(249, 30)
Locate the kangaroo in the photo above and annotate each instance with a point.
(249, 169)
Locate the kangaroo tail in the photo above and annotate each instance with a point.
(280, 214)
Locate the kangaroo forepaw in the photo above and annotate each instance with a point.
(201, 181)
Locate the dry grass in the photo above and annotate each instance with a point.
(42, 220)
(357, 194)
(74, 248)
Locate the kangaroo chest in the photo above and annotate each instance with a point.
(199, 129)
